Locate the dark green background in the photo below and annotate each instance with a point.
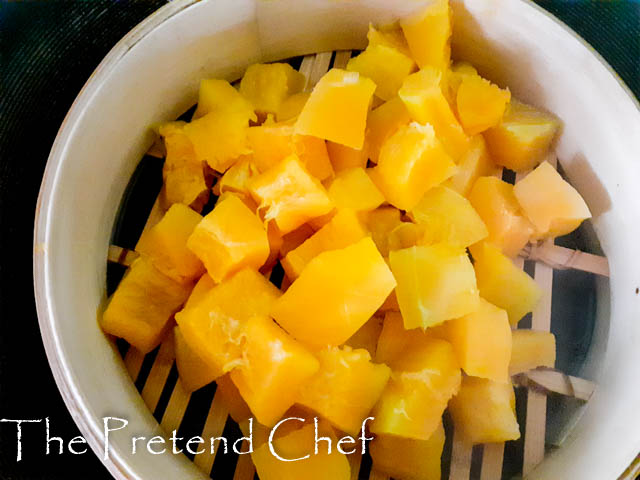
(48, 49)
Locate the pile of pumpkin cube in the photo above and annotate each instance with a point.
(373, 192)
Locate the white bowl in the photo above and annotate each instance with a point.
(152, 75)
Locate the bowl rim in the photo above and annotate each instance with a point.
(72, 396)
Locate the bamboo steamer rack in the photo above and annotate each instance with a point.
(203, 413)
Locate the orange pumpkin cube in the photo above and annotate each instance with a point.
(166, 244)
(289, 195)
(193, 371)
(200, 290)
(474, 164)
(267, 85)
(220, 96)
(294, 239)
(503, 284)
(498, 207)
(428, 34)
(291, 106)
(273, 368)
(382, 123)
(380, 223)
(344, 158)
(237, 177)
(367, 335)
(394, 339)
(321, 308)
(346, 387)
(354, 189)
(523, 137)
(532, 349)
(343, 229)
(480, 104)
(230, 238)
(337, 108)
(407, 235)
(454, 76)
(143, 304)
(484, 411)
(233, 401)
(554, 207)
(411, 162)
(435, 283)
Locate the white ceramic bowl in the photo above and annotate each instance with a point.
(153, 74)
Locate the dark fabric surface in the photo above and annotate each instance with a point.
(47, 51)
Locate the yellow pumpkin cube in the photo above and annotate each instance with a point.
(449, 217)
(166, 244)
(454, 76)
(409, 459)
(193, 371)
(503, 284)
(424, 378)
(407, 235)
(344, 158)
(532, 349)
(435, 283)
(346, 387)
(200, 290)
(343, 230)
(428, 34)
(382, 123)
(294, 239)
(289, 195)
(480, 104)
(484, 411)
(273, 368)
(474, 164)
(411, 162)
(233, 401)
(354, 189)
(394, 339)
(143, 304)
(291, 106)
(217, 95)
(229, 238)
(236, 179)
(367, 335)
(523, 137)
(380, 223)
(554, 207)
(323, 307)
(422, 94)
(498, 207)
(337, 108)
(267, 85)
(389, 36)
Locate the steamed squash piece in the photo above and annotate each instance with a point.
(345, 158)
(388, 36)
(435, 283)
(229, 238)
(143, 304)
(454, 76)
(411, 162)
(233, 401)
(523, 138)
(267, 85)
(343, 229)
(474, 164)
(299, 443)
(484, 411)
(554, 207)
(503, 284)
(214, 326)
(380, 223)
(394, 339)
(367, 335)
(337, 108)
(217, 95)
(291, 106)
(424, 378)
(166, 244)
(336, 293)
(294, 239)
(428, 35)
(532, 349)
(354, 189)
(346, 387)
(289, 195)
(480, 104)
(449, 217)
(193, 371)
(409, 459)
(390, 304)
(407, 235)
(495, 202)
(273, 368)
(236, 179)
(202, 287)
(382, 123)
(423, 96)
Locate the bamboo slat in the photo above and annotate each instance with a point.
(461, 452)
(159, 373)
(176, 408)
(213, 427)
(244, 468)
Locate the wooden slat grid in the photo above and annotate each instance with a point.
(547, 257)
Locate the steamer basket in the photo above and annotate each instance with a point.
(153, 75)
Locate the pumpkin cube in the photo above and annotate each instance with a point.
(532, 349)
(435, 283)
(294, 239)
(343, 158)
(200, 291)
(389, 36)
(193, 371)
(455, 75)
(273, 368)
(480, 104)
(289, 195)
(422, 94)
(354, 189)
(428, 34)
(143, 304)
(484, 411)
(411, 162)
(449, 217)
(474, 164)
(346, 387)
(337, 108)
(554, 207)
(230, 238)
(498, 207)
(343, 229)
(383, 122)
(409, 459)
(267, 85)
(367, 335)
(237, 177)
(233, 401)
(380, 223)
(291, 106)
(394, 339)
(220, 96)
(503, 284)
(386, 66)
(323, 308)
(166, 244)
(523, 137)
(407, 235)
(424, 378)
(482, 341)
